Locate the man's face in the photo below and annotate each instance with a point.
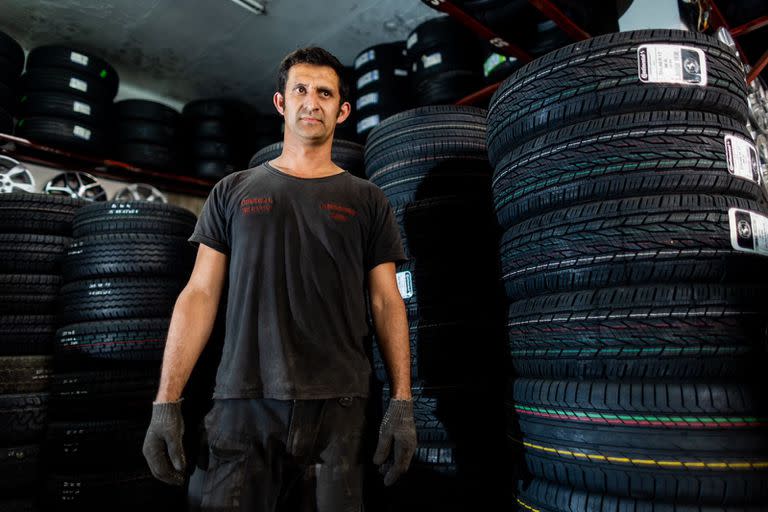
(311, 104)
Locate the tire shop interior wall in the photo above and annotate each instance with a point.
(173, 54)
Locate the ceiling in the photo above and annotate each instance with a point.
(180, 50)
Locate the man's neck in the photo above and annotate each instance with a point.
(306, 161)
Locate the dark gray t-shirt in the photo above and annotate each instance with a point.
(299, 253)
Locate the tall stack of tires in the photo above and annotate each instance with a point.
(380, 85)
(123, 271)
(633, 258)
(32, 248)
(346, 154)
(11, 65)
(431, 163)
(65, 99)
(446, 61)
(220, 135)
(146, 134)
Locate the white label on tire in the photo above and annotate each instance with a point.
(742, 159)
(365, 58)
(367, 78)
(749, 231)
(671, 64)
(492, 62)
(368, 122)
(412, 41)
(78, 84)
(81, 108)
(79, 58)
(431, 60)
(83, 133)
(405, 284)
(401, 72)
(372, 98)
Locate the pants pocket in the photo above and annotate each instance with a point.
(223, 482)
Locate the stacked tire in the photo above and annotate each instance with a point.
(380, 85)
(33, 247)
(497, 67)
(123, 271)
(11, 65)
(633, 259)
(221, 134)
(446, 61)
(431, 163)
(346, 154)
(65, 99)
(146, 134)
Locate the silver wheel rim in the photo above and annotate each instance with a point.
(140, 192)
(14, 176)
(76, 184)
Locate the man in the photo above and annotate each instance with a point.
(301, 240)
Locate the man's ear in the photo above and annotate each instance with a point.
(279, 102)
(344, 110)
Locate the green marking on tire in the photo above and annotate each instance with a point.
(640, 417)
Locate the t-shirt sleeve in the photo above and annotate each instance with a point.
(384, 243)
(211, 228)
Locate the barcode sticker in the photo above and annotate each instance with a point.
(365, 58)
(80, 85)
(412, 40)
(741, 156)
(81, 108)
(672, 64)
(492, 62)
(367, 78)
(431, 60)
(371, 98)
(83, 133)
(405, 284)
(79, 58)
(368, 122)
(749, 231)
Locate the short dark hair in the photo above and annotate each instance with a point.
(317, 57)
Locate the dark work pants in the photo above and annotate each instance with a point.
(269, 455)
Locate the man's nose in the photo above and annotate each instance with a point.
(311, 100)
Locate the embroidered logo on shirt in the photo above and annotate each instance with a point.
(252, 205)
(338, 212)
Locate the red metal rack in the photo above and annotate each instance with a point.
(553, 12)
(547, 8)
(718, 20)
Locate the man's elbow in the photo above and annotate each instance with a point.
(383, 303)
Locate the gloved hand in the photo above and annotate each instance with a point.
(163, 446)
(397, 427)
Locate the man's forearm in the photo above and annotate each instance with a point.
(391, 324)
(191, 324)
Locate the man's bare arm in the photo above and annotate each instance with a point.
(192, 321)
(391, 324)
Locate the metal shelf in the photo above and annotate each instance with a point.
(28, 151)
(551, 11)
(718, 20)
(547, 8)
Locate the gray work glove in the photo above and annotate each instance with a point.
(163, 446)
(397, 428)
